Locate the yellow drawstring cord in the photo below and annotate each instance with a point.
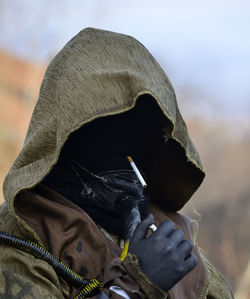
(124, 251)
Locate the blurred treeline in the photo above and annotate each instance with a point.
(224, 146)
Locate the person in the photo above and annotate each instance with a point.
(76, 219)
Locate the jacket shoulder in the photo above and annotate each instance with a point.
(21, 274)
(217, 286)
(25, 276)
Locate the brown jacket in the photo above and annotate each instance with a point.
(68, 233)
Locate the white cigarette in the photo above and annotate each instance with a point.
(137, 172)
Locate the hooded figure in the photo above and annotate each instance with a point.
(72, 198)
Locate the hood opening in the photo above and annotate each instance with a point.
(144, 133)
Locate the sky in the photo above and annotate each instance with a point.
(203, 46)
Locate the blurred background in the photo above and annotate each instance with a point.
(204, 47)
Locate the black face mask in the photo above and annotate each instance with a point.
(117, 194)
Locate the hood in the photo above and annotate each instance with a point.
(98, 74)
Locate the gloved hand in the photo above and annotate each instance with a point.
(164, 256)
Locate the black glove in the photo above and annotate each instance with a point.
(164, 256)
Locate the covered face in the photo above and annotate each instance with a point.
(93, 170)
(104, 97)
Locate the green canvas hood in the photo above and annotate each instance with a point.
(100, 73)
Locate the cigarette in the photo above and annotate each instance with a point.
(153, 227)
(137, 172)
